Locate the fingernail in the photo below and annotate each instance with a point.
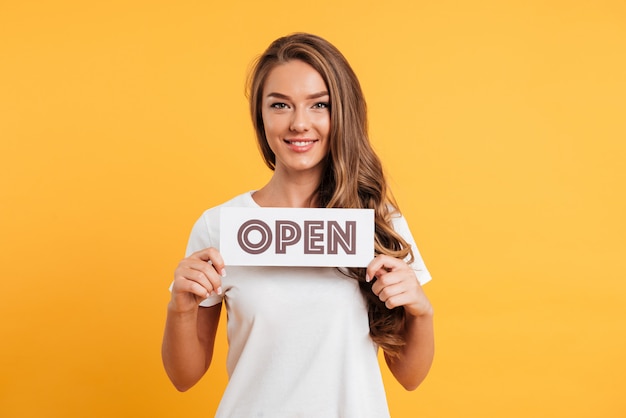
(219, 290)
(367, 278)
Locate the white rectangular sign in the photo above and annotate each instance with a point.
(297, 237)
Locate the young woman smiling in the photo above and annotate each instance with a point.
(303, 341)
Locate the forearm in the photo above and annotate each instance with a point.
(413, 363)
(184, 357)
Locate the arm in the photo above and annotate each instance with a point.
(416, 357)
(397, 285)
(190, 330)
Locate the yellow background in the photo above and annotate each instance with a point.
(502, 126)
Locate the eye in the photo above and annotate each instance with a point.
(321, 105)
(279, 105)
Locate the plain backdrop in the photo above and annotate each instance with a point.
(502, 127)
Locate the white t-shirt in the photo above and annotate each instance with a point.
(299, 343)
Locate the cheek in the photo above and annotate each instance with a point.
(272, 132)
(267, 123)
(272, 126)
(324, 125)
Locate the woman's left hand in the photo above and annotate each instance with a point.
(397, 285)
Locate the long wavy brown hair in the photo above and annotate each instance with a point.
(353, 175)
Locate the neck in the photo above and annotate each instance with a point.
(288, 191)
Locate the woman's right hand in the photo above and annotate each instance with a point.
(196, 278)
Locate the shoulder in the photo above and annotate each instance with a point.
(242, 200)
(399, 222)
(205, 231)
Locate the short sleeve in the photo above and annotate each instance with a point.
(199, 237)
(401, 226)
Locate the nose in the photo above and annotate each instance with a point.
(300, 121)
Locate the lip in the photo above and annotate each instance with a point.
(300, 144)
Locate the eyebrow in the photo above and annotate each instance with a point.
(310, 96)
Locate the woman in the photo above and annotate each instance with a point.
(303, 341)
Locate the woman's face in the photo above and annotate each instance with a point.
(296, 116)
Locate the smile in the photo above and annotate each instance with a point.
(300, 142)
(300, 145)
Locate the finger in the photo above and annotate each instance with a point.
(382, 264)
(205, 276)
(197, 289)
(407, 294)
(400, 299)
(386, 278)
(374, 266)
(212, 264)
(414, 303)
(213, 256)
(201, 272)
(386, 292)
(184, 285)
